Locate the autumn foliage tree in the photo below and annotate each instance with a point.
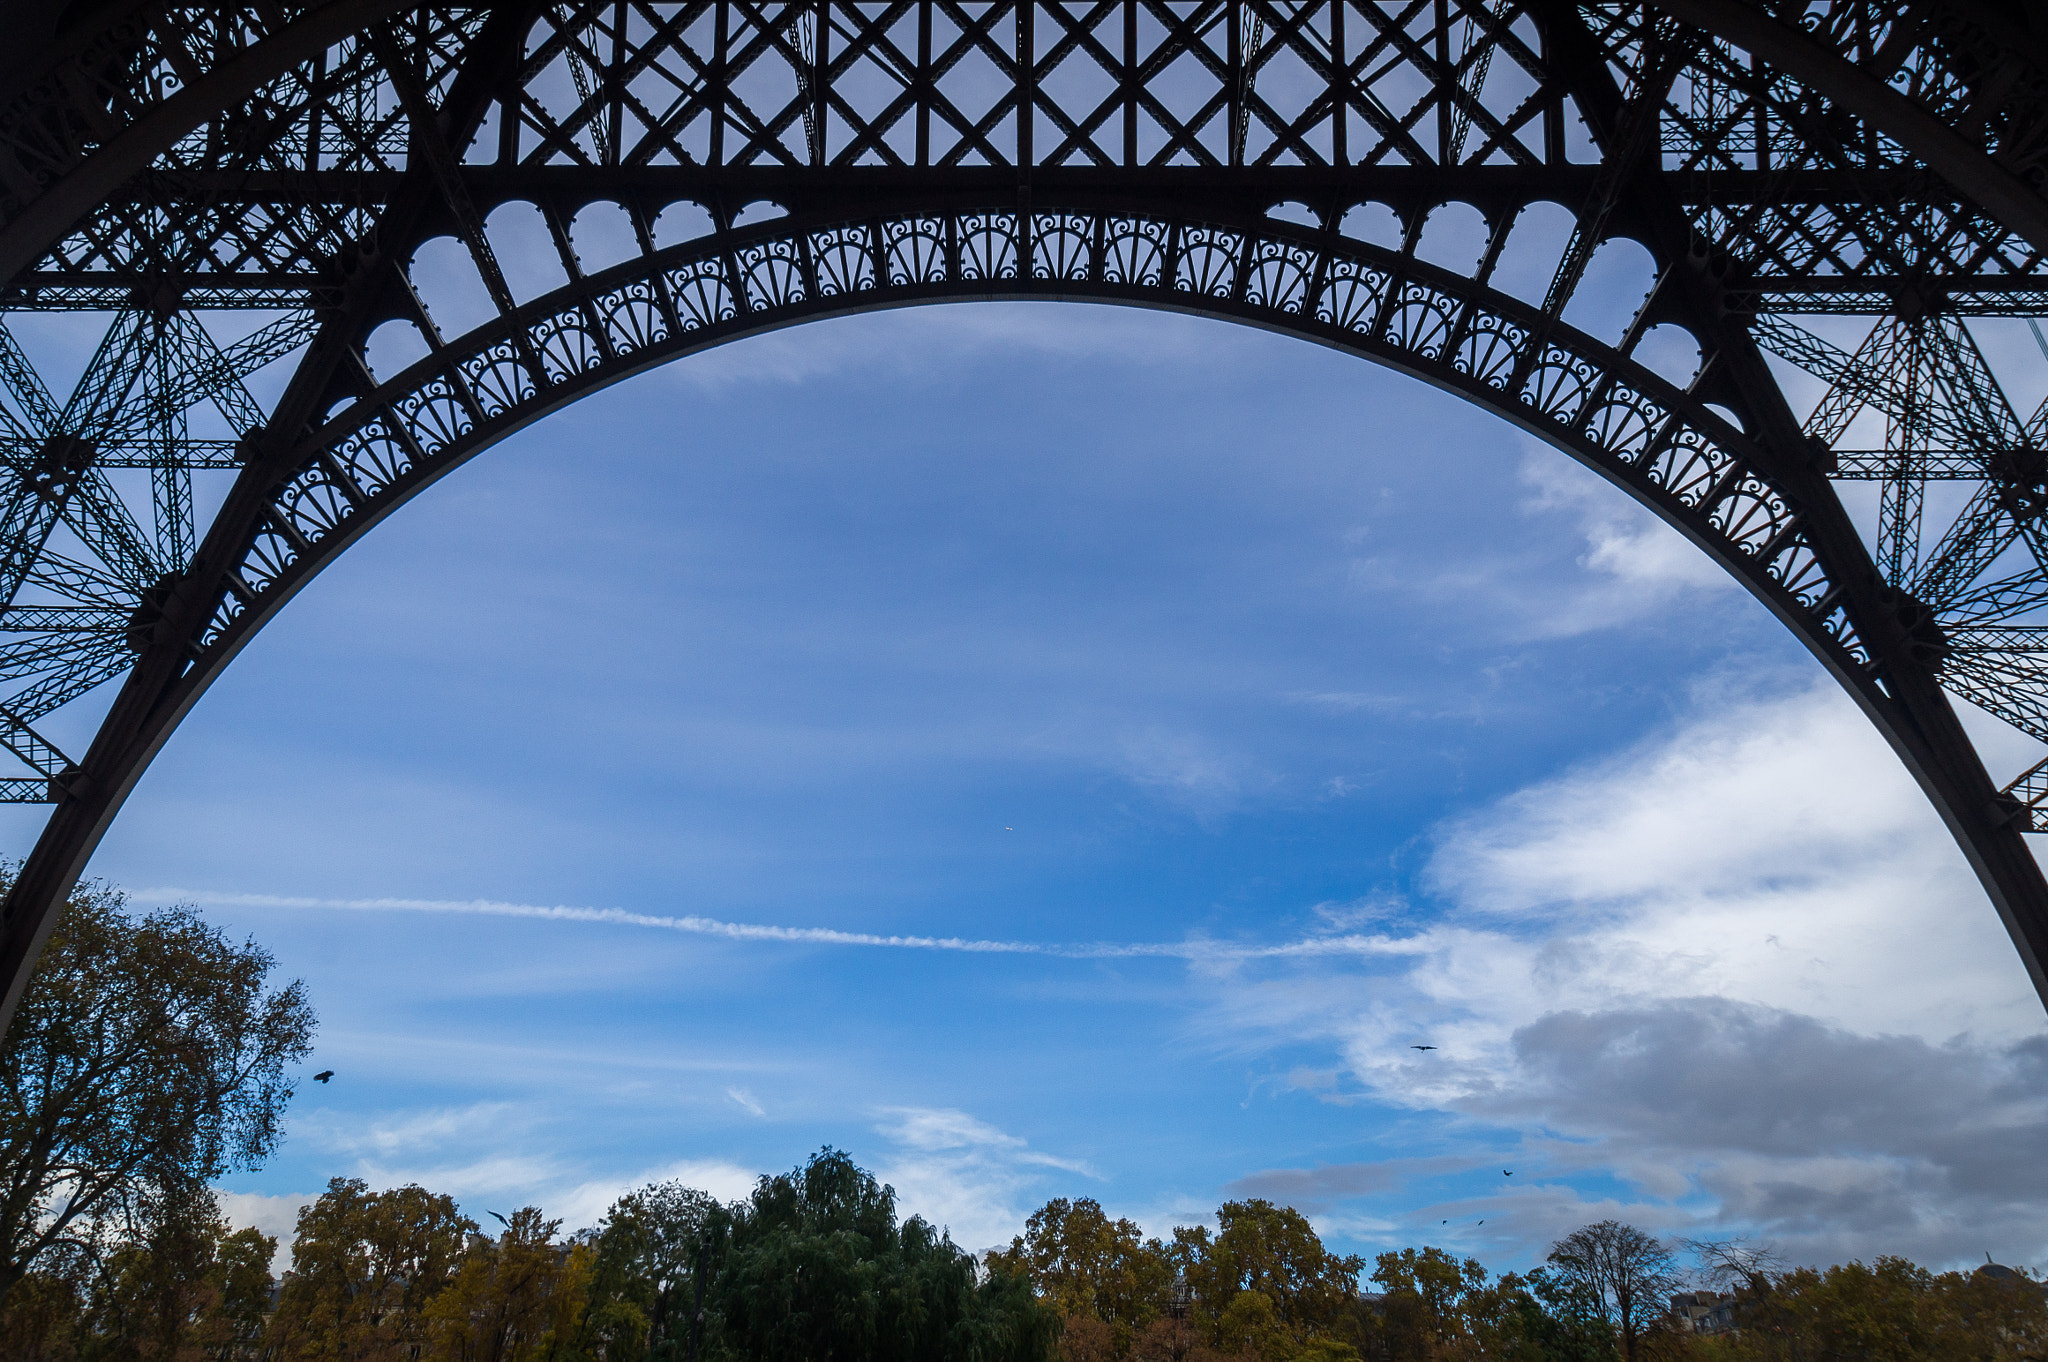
(147, 1059)
(1264, 1283)
(1260, 1286)
(1097, 1274)
(518, 1298)
(1891, 1310)
(365, 1265)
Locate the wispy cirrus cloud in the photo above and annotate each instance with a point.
(910, 341)
(964, 1174)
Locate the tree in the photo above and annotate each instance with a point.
(192, 1289)
(1271, 1252)
(40, 1319)
(1888, 1311)
(1564, 1320)
(644, 1287)
(1423, 1308)
(1085, 1266)
(241, 1284)
(364, 1268)
(1623, 1272)
(146, 1060)
(517, 1299)
(814, 1265)
(1730, 1263)
(1274, 1251)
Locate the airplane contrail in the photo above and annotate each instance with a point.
(697, 925)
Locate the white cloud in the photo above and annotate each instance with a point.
(1772, 851)
(1637, 564)
(927, 1128)
(963, 1174)
(275, 1215)
(1742, 966)
(497, 1156)
(1184, 769)
(916, 341)
(745, 1101)
(1630, 568)
(583, 1204)
(403, 1132)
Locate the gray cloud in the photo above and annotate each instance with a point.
(1829, 1141)
(1724, 1118)
(1313, 1190)
(1694, 1071)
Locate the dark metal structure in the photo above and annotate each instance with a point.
(330, 249)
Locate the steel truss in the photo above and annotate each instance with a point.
(299, 227)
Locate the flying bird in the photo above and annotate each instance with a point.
(1507, 1172)
(1422, 1047)
(1482, 1222)
(499, 1218)
(323, 1075)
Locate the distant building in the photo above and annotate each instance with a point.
(1999, 1272)
(1705, 1312)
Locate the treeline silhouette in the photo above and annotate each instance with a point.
(815, 1264)
(1262, 1287)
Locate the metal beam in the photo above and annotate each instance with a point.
(1959, 160)
(26, 236)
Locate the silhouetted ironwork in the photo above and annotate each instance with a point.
(337, 248)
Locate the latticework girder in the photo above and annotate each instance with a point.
(1834, 200)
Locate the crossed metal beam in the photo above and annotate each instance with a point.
(241, 196)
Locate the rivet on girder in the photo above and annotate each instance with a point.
(1917, 631)
(70, 783)
(58, 463)
(146, 620)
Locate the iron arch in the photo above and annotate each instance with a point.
(300, 157)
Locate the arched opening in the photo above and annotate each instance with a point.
(414, 414)
(832, 594)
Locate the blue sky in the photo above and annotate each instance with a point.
(1216, 716)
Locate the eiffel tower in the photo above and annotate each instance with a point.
(333, 248)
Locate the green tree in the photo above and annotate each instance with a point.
(1564, 1321)
(146, 1060)
(1436, 1307)
(241, 1283)
(814, 1265)
(644, 1288)
(364, 1268)
(1274, 1251)
(1422, 1312)
(41, 1318)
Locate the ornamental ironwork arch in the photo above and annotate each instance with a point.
(303, 201)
